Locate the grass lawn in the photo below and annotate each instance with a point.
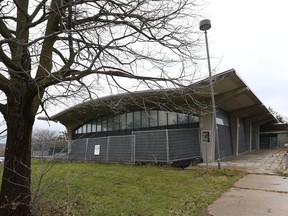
(117, 189)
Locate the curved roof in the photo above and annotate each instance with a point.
(231, 94)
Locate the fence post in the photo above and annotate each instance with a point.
(133, 149)
(53, 153)
(68, 148)
(167, 146)
(42, 149)
(107, 149)
(85, 157)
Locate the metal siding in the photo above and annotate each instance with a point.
(242, 141)
(147, 146)
(183, 144)
(102, 141)
(78, 148)
(225, 141)
(150, 146)
(120, 148)
(253, 144)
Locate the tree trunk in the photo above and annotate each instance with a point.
(15, 194)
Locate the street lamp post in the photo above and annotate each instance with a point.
(204, 26)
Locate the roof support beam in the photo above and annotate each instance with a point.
(228, 96)
(246, 112)
(259, 118)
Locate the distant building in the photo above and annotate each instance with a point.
(273, 135)
(170, 125)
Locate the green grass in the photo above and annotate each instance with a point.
(117, 189)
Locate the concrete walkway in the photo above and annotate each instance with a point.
(263, 161)
(256, 194)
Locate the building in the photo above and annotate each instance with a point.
(273, 136)
(168, 125)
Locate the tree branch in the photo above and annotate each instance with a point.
(3, 109)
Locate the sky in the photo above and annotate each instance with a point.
(250, 36)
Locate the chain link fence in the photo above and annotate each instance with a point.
(158, 146)
(50, 149)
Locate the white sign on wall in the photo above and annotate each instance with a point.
(205, 136)
(97, 150)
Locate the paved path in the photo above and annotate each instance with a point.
(255, 194)
(263, 161)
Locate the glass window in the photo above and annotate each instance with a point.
(193, 119)
(110, 123)
(241, 123)
(182, 118)
(104, 124)
(222, 118)
(153, 118)
(93, 127)
(219, 121)
(162, 118)
(123, 121)
(84, 128)
(116, 122)
(99, 126)
(145, 118)
(137, 119)
(89, 129)
(172, 118)
(130, 120)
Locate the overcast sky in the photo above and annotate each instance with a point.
(251, 36)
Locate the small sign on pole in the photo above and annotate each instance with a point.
(205, 136)
(206, 139)
(97, 150)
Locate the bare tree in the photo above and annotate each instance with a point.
(46, 142)
(278, 116)
(58, 48)
(40, 135)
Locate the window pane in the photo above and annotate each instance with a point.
(222, 118)
(219, 121)
(241, 123)
(153, 118)
(116, 122)
(193, 119)
(123, 121)
(84, 128)
(145, 118)
(110, 123)
(172, 118)
(99, 126)
(89, 127)
(137, 119)
(182, 118)
(129, 120)
(162, 118)
(104, 124)
(93, 126)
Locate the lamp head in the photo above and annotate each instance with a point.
(205, 25)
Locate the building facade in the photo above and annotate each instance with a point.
(169, 125)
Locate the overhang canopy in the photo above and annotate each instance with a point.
(231, 95)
